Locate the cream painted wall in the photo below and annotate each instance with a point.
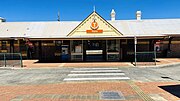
(108, 30)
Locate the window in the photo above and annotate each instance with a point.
(113, 46)
(76, 50)
(23, 46)
(76, 46)
(3, 45)
(94, 45)
(58, 44)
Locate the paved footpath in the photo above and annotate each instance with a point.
(160, 62)
(74, 85)
(86, 91)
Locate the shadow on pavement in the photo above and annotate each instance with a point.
(173, 89)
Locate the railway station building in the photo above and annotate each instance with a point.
(93, 39)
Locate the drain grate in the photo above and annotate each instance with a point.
(111, 95)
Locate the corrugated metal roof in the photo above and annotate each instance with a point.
(151, 27)
(37, 29)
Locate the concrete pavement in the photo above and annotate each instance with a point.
(145, 84)
(161, 62)
(46, 81)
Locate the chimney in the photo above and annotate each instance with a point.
(58, 19)
(2, 20)
(138, 15)
(113, 15)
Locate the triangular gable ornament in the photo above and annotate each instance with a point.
(94, 25)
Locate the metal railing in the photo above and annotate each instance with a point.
(11, 60)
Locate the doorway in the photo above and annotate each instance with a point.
(94, 50)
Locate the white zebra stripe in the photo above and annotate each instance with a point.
(97, 74)
(95, 68)
(97, 78)
(95, 71)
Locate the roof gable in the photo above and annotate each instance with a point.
(94, 25)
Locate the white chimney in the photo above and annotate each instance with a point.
(113, 15)
(138, 15)
(2, 19)
(58, 19)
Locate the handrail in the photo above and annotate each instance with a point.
(9, 59)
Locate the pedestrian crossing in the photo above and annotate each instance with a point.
(94, 71)
(96, 74)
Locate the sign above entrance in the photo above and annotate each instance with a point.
(94, 27)
(94, 31)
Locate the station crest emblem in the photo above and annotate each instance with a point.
(94, 27)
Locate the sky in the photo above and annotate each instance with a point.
(78, 10)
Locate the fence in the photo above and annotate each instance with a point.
(145, 58)
(11, 60)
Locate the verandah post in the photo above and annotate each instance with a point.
(4, 59)
(21, 63)
(135, 43)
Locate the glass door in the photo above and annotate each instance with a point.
(113, 50)
(94, 50)
(76, 50)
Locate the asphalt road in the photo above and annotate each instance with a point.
(48, 76)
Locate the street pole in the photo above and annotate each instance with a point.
(155, 52)
(135, 43)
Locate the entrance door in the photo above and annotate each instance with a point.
(95, 50)
(65, 53)
(65, 50)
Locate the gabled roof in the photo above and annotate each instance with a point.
(80, 30)
(126, 28)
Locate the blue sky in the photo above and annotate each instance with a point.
(46, 10)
